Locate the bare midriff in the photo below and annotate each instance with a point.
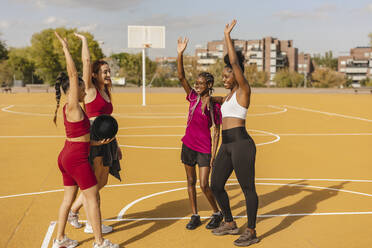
(84, 138)
(232, 122)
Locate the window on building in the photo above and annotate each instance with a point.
(219, 47)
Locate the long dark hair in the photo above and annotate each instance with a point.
(241, 60)
(95, 69)
(63, 82)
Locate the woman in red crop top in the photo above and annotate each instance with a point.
(105, 158)
(73, 159)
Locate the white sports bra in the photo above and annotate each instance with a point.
(231, 108)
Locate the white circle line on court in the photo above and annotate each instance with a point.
(6, 109)
(150, 127)
(183, 181)
(239, 216)
(144, 116)
(125, 209)
(52, 225)
(277, 138)
(179, 135)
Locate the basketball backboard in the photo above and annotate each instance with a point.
(146, 37)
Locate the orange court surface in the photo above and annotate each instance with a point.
(313, 173)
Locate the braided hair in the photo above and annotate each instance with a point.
(241, 59)
(95, 69)
(63, 82)
(209, 79)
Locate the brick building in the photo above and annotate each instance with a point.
(358, 65)
(269, 54)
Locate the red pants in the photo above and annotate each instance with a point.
(74, 165)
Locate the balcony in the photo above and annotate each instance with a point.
(358, 78)
(207, 61)
(356, 70)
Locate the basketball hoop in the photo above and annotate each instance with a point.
(145, 37)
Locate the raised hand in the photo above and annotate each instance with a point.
(230, 27)
(63, 41)
(182, 44)
(80, 36)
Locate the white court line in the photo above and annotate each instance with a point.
(329, 113)
(179, 135)
(277, 138)
(282, 110)
(183, 181)
(150, 127)
(125, 209)
(48, 234)
(147, 115)
(6, 109)
(238, 216)
(152, 147)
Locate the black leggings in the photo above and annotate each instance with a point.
(238, 153)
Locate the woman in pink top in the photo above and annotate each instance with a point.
(197, 145)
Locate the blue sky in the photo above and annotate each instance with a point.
(315, 26)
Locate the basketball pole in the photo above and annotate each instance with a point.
(144, 76)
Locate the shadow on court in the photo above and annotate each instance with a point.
(307, 204)
(178, 208)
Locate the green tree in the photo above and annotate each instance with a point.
(254, 77)
(48, 56)
(286, 78)
(216, 70)
(327, 60)
(366, 82)
(327, 78)
(3, 50)
(6, 73)
(131, 67)
(22, 66)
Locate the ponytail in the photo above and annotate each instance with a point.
(60, 79)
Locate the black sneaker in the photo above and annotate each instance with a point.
(215, 221)
(194, 222)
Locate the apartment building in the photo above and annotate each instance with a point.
(269, 54)
(358, 65)
(304, 65)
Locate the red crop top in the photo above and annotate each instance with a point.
(76, 129)
(99, 106)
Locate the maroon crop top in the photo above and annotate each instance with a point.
(76, 129)
(99, 106)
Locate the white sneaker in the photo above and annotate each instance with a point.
(64, 243)
(105, 229)
(105, 244)
(73, 219)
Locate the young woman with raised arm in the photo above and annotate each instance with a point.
(238, 150)
(197, 145)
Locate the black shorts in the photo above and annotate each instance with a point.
(191, 157)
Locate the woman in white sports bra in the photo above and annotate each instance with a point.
(238, 150)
